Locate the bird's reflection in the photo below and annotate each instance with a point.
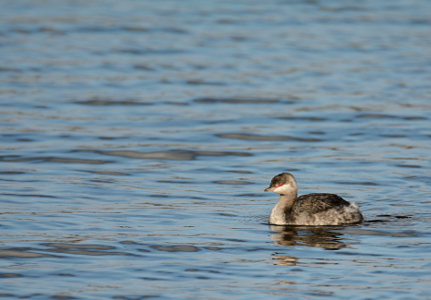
(284, 260)
(323, 237)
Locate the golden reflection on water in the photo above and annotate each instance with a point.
(284, 260)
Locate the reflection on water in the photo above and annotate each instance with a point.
(284, 260)
(137, 135)
(320, 236)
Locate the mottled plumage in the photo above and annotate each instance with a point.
(311, 209)
(317, 202)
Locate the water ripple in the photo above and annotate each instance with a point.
(166, 155)
(137, 137)
(258, 137)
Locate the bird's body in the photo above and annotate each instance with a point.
(311, 209)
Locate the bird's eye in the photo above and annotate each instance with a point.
(281, 184)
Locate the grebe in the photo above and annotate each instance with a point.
(311, 209)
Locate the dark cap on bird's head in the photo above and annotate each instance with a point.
(280, 180)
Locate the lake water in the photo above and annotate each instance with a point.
(137, 138)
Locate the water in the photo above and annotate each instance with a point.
(137, 137)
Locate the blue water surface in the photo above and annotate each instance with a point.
(137, 138)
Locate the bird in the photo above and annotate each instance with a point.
(312, 209)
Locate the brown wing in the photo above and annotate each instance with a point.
(315, 203)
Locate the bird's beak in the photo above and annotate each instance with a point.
(268, 189)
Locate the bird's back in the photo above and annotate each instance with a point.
(323, 209)
(318, 202)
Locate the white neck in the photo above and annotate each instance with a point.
(281, 210)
